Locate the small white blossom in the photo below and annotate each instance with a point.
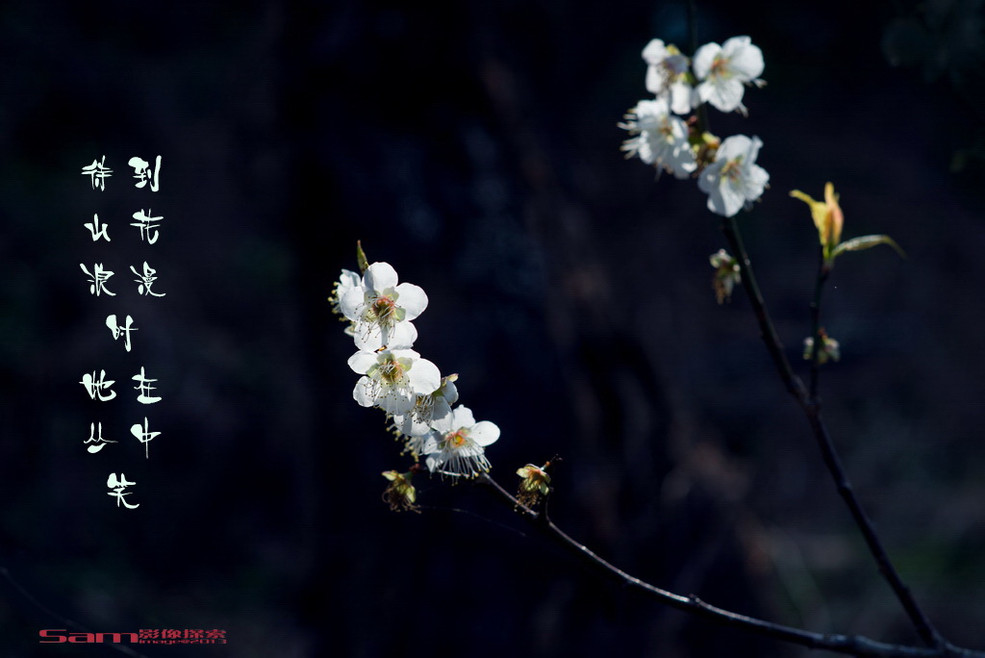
(428, 408)
(347, 281)
(830, 349)
(659, 138)
(666, 75)
(416, 424)
(393, 379)
(723, 70)
(457, 444)
(382, 310)
(727, 274)
(734, 179)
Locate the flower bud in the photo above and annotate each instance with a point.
(534, 484)
(727, 274)
(827, 216)
(830, 349)
(400, 495)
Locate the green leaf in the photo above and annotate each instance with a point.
(866, 242)
(361, 257)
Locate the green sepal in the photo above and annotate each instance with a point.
(361, 257)
(866, 242)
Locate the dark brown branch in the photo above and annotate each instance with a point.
(809, 404)
(855, 645)
(790, 380)
(823, 269)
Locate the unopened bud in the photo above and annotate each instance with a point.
(830, 349)
(727, 275)
(400, 495)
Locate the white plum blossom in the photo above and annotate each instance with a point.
(393, 379)
(734, 179)
(415, 425)
(382, 310)
(456, 445)
(723, 70)
(667, 75)
(410, 390)
(659, 138)
(347, 281)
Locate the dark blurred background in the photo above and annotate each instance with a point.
(475, 147)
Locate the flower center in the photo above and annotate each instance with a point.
(424, 407)
(720, 68)
(732, 170)
(457, 438)
(391, 371)
(383, 310)
(667, 131)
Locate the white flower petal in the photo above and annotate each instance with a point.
(733, 147)
(412, 299)
(752, 152)
(704, 58)
(395, 402)
(349, 279)
(654, 79)
(745, 59)
(484, 433)
(361, 361)
(401, 336)
(716, 202)
(734, 45)
(709, 178)
(729, 199)
(441, 412)
(363, 392)
(755, 183)
(351, 303)
(424, 377)
(449, 393)
(444, 423)
(411, 425)
(680, 97)
(380, 276)
(430, 444)
(462, 417)
(367, 337)
(654, 52)
(725, 95)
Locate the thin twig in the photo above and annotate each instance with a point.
(855, 645)
(773, 344)
(809, 404)
(823, 269)
(808, 399)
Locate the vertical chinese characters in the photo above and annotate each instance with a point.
(122, 325)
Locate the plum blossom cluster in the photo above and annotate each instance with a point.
(409, 389)
(666, 131)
